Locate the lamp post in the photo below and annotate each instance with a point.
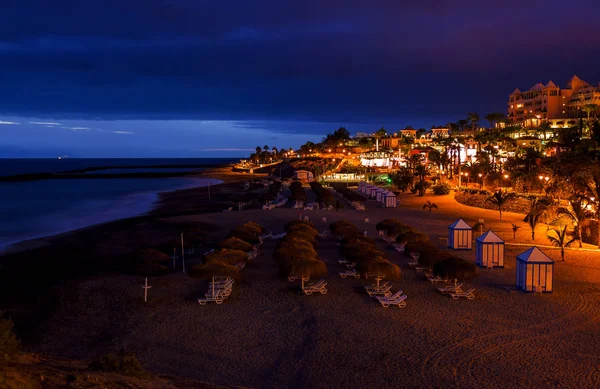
(480, 181)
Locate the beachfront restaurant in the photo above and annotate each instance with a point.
(389, 200)
(535, 271)
(489, 250)
(460, 235)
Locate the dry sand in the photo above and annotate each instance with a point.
(268, 335)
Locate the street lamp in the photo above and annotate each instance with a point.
(480, 180)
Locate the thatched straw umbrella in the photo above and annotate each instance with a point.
(245, 235)
(291, 253)
(412, 236)
(255, 226)
(357, 245)
(365, 255)
(293, 223)
(301, 236)
(303, 228)
(456, 268)
(230, 257)
(150, 263)
(292, 241)
(356, 238)
(340, 226)
(381, 269)
(429, 256)
(386, 224)
(308, 268)
(234, 243)
(214, 269)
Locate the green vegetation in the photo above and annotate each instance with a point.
(9, 344)
(441, 188)
(122, 363)
(560, 238)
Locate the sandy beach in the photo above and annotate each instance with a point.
(269, 335)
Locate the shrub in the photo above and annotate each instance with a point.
(9, 344)
(122, 363)
(412, 237)
(301, 236)
(455, 268)
(227, 256)
(343, 227)
(443, 188)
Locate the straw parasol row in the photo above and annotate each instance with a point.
(362, 250)
(233, 251)
(442, 263)
(295, 253)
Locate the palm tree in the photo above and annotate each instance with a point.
(499, 198)
(536, 210)
(421, 171)
(561, 240)
(473, 118)
(577, 213)
(266, 148)
(430, 205)
(514, 229)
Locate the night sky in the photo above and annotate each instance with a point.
(159, 78)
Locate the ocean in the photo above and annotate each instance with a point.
(34, 209)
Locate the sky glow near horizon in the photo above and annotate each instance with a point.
(148, 77)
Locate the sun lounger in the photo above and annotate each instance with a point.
(240, 265)
(204, 301)
(343, 261)
(415, 256)
(392, 297)
(323, 234)
(400, 302)
(413, 263)
(468, 294)
(421, 268)
(380, 286)
(350, 273)
(399, 249)
(385, 291)
(437, 279)
(317, 287)
(451, 289)
(351, 265)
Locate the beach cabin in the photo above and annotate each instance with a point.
(303, 175)
(390, 200)
(373, 192)
(489, 250)
(381, 198)
(460, 235)
(378, 194)
(535, 271)
(361, 186)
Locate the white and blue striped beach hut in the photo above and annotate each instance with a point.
(535, 271)
(489, 250)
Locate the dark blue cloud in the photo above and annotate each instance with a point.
(334, 61)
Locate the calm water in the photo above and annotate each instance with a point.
(35, 209)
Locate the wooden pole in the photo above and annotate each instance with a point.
(146, 287)
(182, 254)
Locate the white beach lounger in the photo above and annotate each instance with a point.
(399, 302)
(437, 279)
(385, 291)
(343, 261)
(350, 265)
(421, 268)
(468, 294)
(350, 273)
(394, 296)
(451, 289)
(204, 301)
(323, 234)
